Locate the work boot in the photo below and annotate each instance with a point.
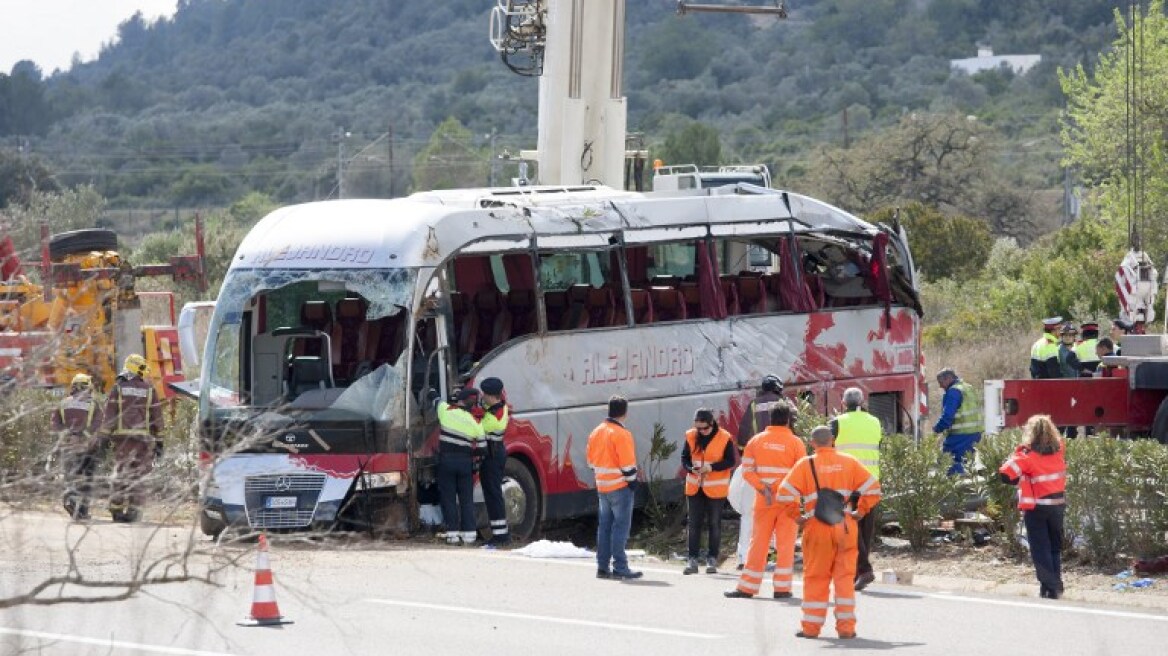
(627, 575)
(711, 565)
(782, 594)
(863, 580)
(736, 594)
(453, 539)
(691, 567)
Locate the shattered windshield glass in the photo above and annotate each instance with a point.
(361, 374)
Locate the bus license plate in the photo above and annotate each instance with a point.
(280, 502)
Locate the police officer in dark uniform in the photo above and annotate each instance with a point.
(77, 422)
(494, 421)
(459, 443)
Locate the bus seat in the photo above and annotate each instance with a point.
(693, 299)
(308, 372)
(466, 323)
(385, 340)
(730, 293)
(521, 303)
(752, 295)
(317, 315)
(494, 321)
(771, 285)
(668, 304)
(555, 305)
(349, 337)
(576, 315)
(642, 306)
(601, 311)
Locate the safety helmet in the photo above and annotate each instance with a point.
(771, 383)
(81, 381)
(136, 365)
(1069, 329)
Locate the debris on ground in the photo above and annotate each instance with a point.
(1151, 566)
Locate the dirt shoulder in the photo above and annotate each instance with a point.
(958, 568)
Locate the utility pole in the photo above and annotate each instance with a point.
(492, 160)
(389, 145)
(341, 134)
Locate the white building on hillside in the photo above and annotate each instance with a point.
(986, 60)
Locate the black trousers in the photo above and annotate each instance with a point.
(79, 467)
(704, 511)
(456, 485)
(1044, 532)
(491, 478)
(867, 535)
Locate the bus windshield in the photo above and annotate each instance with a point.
(310, 341)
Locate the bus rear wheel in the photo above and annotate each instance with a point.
(522, 499)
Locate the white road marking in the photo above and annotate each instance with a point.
(1048, 606)
(547, 618)
(581, 562)
(106, 642)
(931, 595)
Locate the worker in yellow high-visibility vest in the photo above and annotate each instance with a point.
(858, 434)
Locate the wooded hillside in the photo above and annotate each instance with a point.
(233, 96)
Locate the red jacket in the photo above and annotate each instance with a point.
(1041, 477)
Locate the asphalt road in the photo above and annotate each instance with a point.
(361, 597)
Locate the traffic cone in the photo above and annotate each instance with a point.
(264, 611)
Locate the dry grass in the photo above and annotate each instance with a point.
(994, 357)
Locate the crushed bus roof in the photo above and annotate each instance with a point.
(422, 229)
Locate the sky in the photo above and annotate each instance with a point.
(50, 31)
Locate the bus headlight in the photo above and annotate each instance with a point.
(388, 479)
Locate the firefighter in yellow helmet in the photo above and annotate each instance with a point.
(133, 425)
(76, 422)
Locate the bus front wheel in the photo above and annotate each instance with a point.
(211, 527)
(522, 498)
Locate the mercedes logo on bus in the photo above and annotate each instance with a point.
(283, 483)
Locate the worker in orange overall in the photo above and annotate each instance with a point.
(768, 458)
(825, 481)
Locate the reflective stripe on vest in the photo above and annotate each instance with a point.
(1042, 478)
(715, 484)
(606, 444)
(969, 418)
(495, 427)
(859, 436)
(77, 404)
(458, 429)
(123, 392)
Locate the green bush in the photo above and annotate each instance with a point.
(915, 484)
(1001, 498)
(1116, 499)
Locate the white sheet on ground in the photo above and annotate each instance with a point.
(549, 549)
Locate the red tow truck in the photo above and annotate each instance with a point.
(1131, 401)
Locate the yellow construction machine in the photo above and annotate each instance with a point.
(84, 315)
